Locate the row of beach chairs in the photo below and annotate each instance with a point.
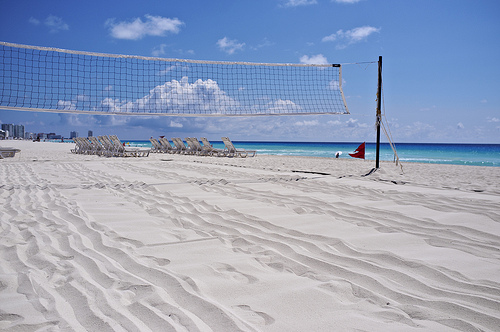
(107, 146)
(194, 147)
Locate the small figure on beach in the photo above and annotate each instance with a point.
(337, 154)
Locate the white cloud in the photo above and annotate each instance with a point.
(110, 105)
(483, 101)
(174, 124)
(426, 109)
(353, 123)
(295, 3)
(493, 120)
(307, 123)
(281, 106)
(460, 125)
(55, 24)
(334, 85)
(229, 46)
(66, 105)
(176, 97)
(318, 59)
(346, 1)
(345, 38)
(159, 50)
(137, 29)
(34, 21)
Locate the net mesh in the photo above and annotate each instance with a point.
(46, 79)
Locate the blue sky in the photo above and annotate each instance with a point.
(441, 67)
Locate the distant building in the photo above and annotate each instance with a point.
(9, 129)
(18, 131)
(13, 131)
(90, 133)
(53, 136)
(73, 134)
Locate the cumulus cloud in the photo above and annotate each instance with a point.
(295, 3)
(175, 124)
(54, 23)
(460, 125)
(493, 120)
(354, 123)
(176, 97)
(346, 38)
(229, 45)
(307, 123)
(334, 85)
(137, 28)
(318, 59)
(281, 106)
(66, 105)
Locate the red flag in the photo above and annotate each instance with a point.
(359, 153)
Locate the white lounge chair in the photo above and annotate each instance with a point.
(97, 147)
(167, 146)
(179, 144)
(126, 151)
(7, 152)
(207, 146)
(195, 146)
(233, 152)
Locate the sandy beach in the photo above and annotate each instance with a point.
(270, 243)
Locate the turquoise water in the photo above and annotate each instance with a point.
(457, 154)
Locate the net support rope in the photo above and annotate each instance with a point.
(388, 134)
(55, 80)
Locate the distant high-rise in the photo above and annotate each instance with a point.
(9, 129)
(18, 131)
(90, 133)
(73, 134)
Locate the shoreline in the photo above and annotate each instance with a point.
(479, 178)
(269, 243)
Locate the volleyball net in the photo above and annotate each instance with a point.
(63, 81)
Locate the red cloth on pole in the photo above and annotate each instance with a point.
(359, 153)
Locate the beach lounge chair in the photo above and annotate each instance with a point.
(83, 145)
(96, 146)
(233, 152)
(7, 152)
(179, 144)
(126, 151)
(200, 148)
(167, 146)
(195, 146)
(78, 146)
(108, 146)
(157, 147)
(207, 146)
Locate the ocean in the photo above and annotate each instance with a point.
(456, 154)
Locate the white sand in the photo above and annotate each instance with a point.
(184, 243)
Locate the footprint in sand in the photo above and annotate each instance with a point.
(231, 272)
(252, 316)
